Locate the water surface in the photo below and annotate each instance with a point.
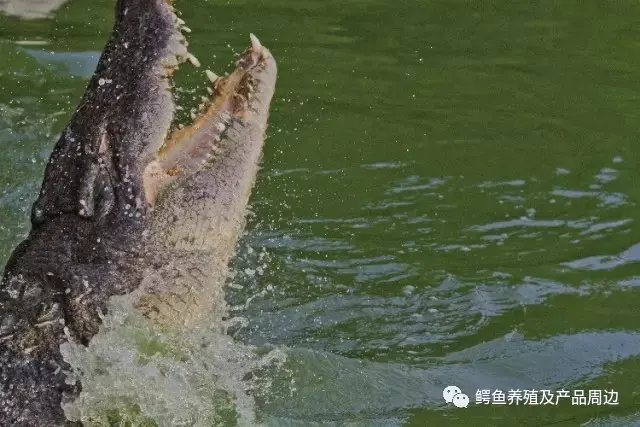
(449, 197)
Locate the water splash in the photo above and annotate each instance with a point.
(135, 375)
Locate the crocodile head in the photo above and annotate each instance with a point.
(130, 202)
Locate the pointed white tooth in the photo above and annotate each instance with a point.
(170, 61)
(211, 75)
(193, 115)
(193, 60)
(256, 46)
(185, 29)
(179, 108)
(180, 21)
(209, 90)
(204, 99)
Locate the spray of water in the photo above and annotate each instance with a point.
(135, 375)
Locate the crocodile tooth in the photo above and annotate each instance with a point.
(170, 61)
(211, 75)
(193, 60)
(209, 90)
(256, 46)
(185, 29)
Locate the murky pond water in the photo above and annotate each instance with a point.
(449, 196)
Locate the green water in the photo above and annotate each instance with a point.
(448, 197)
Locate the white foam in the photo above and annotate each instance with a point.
(132, 374)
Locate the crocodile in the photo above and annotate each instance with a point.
(131, 202)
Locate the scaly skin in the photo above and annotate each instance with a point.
(130, 204)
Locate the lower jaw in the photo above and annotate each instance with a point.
(240, 97)
(199, 216)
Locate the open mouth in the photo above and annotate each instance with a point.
(93, 235)
(232, 98)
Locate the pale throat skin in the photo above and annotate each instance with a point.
(130, 204)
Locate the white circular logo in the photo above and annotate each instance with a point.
(449, 392)
(453, 394)
(460, 400)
